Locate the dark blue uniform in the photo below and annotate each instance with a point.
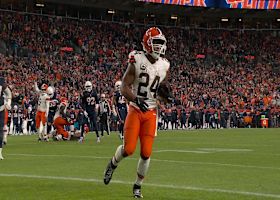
(52, 110)
(89, 101)
(31, 121)
(121, 108)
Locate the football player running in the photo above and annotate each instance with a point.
(145, 75)
(120, 107)
(5, 104)
(42, 110)
(90, 105)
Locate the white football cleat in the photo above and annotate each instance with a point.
(81, 140)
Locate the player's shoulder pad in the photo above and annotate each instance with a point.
(134, 55)
(165, 63)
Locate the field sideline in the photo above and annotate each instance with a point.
(233, 164)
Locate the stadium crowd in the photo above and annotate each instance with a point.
(220, 78)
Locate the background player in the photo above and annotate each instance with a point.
(104, 114)
(42, 110)
(90, 104)
(54, 102)
(5, 103)
(61, 120)
(144, 74)
(120, 107)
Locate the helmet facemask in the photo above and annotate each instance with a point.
(158, 47)
(88, 86)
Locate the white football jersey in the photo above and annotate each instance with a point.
(43, 102)
(58, 111)
(148, 76)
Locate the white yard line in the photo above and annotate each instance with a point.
(168, 186)
(181, 151)
(153, 159)
(224, 150)
(58, 155)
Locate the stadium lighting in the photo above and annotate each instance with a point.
(224, 19)
(174, 17)
(111, 11)
(40, 5)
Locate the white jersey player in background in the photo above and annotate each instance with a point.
(5, 104)
(42, 111)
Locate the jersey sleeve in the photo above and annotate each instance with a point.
(131, 57)
(166, 64)
(135, 56)
(82, 101)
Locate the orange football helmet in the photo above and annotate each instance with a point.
(154, 42)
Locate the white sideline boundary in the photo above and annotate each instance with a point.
(192, 188)
(153, 159)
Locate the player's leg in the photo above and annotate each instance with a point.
(147, 134)
(44, 123)
(93, 120)
(20, 125)
(2, 115)
(5, 129)
(82, 126)
(131, 133)
(106, 124)
(38, 123)
(50, 122)
(102, 124)
(59, 124)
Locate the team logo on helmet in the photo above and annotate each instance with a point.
(154, 42)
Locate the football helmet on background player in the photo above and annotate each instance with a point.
(44, 87)
(154, 42)
(118, 86)
(50, 91)
(88, 86)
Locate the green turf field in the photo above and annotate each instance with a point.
(236, 164)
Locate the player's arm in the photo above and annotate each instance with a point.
(109, 108)
(165, 91)
(36, 87)
(47, 105)
(127, 81)
(114, 103)
(97, 103)
(8, 96)
(83, 102)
